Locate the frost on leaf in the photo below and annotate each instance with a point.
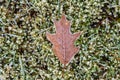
(63, 40)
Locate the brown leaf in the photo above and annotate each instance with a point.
(63, 41)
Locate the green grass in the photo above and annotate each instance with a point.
(26, 54)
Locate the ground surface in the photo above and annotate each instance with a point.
(26, 54)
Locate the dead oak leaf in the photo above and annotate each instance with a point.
(63, 40)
